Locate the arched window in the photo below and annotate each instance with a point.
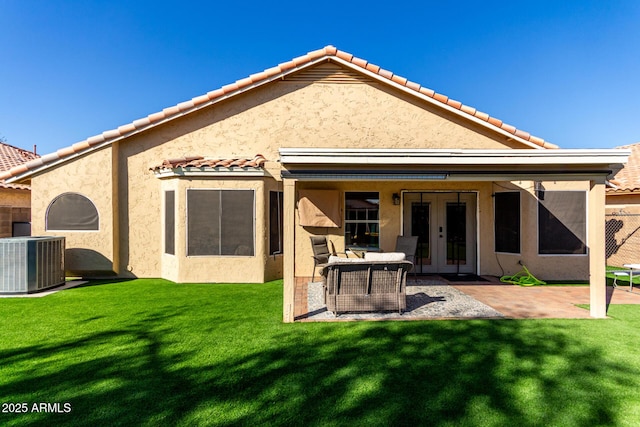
(72, 211)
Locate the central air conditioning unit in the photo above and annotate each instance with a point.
(31, 264)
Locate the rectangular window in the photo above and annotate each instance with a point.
(170, 222)
(220, 222)
(362, 220)
(507, 222)
(562, 222)
(275, 222)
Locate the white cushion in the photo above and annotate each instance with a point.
(337, 260)
(384, 256)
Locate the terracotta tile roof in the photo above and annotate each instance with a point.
(11, 157)
(325, 54)
(628, 178)
(202, 162)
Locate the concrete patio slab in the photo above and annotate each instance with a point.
(508, 301)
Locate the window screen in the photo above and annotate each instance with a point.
(170, 222)
(562, 222)
(71, 211)
(275, 222)
(507, 222)
(220, 222)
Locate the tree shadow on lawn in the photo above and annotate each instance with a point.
(522, 373)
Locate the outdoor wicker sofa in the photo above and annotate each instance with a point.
(365, 286)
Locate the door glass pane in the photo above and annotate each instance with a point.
(420, 226)
(456, 214)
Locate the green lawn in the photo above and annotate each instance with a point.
(150, 352)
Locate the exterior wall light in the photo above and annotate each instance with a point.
(396, 199)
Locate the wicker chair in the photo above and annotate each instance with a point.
(408, 246)
(365, 286)
(321, 253)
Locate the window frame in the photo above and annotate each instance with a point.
(495, 223)
(219, 222)
(348, 221)
(280, 207)
(71, 230)
(167, 225)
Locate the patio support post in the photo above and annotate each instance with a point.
(289, 205)
(115, 207)
(597, 256)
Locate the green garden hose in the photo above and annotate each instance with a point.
(522, 278)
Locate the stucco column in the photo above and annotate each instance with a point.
(289, 204)
(597, 256)
(115, 207)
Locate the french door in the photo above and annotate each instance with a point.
(445, 224)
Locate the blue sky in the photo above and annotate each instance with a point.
(565, 71)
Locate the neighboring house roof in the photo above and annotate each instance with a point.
(11, 157)
(328, 53)
(627, 180)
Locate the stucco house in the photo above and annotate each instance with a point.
(15, 199)
(229, 186)
(623, 212)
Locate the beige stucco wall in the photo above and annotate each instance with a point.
(623, 202)
(15, 198)
(90, 176)
(283, 114)
(288, 114)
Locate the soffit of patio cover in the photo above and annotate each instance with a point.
(423, 164)
(201, 166)
(279, 72)
(381, 156)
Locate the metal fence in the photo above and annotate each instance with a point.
(622, 232)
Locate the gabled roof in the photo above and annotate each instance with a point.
(627, 180)
(11, 157)
(328, 53)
